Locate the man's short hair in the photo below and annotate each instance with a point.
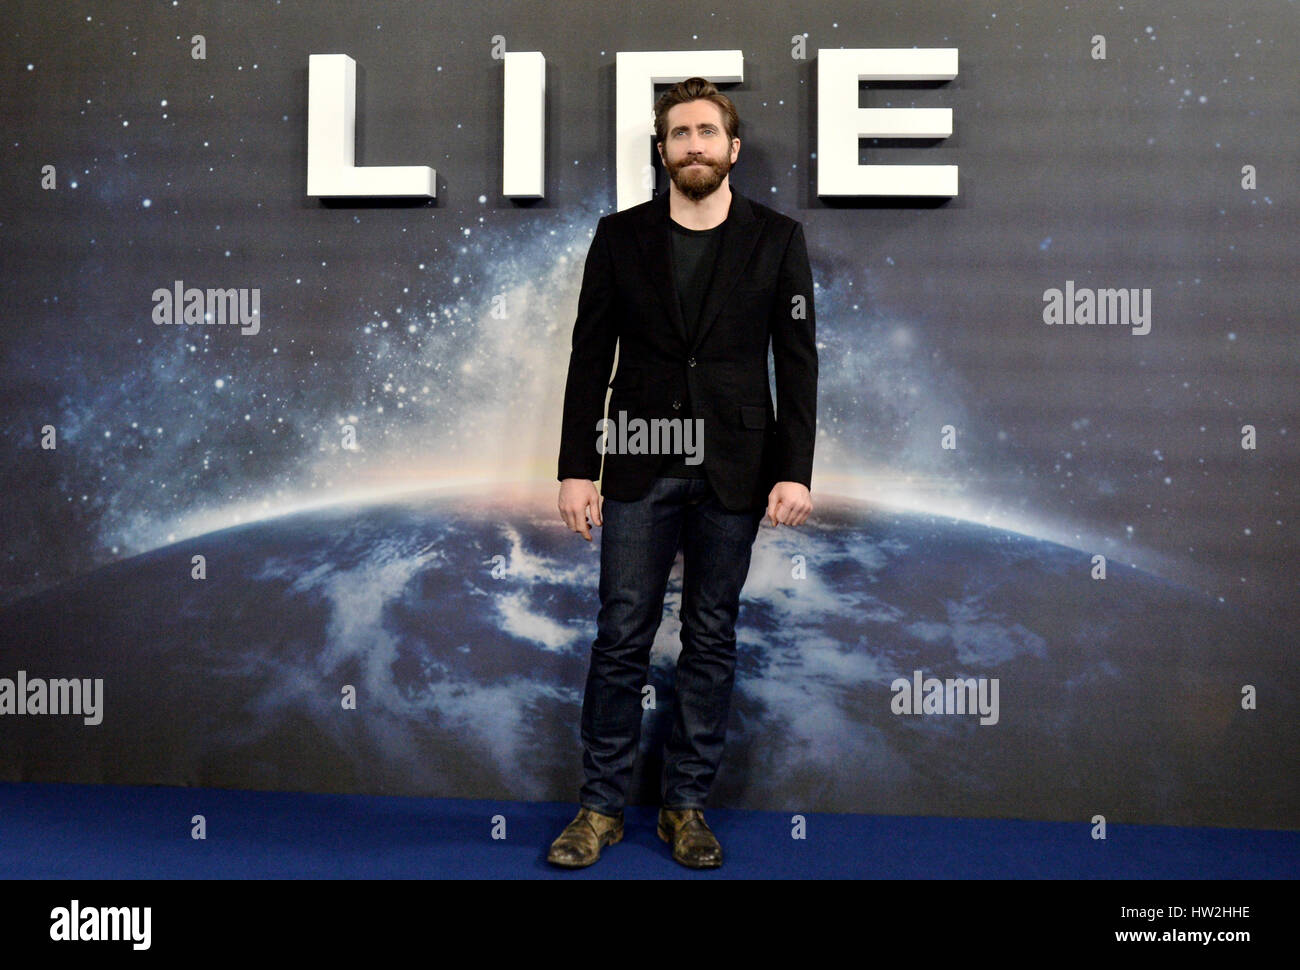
(695, 89)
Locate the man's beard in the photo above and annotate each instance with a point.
(699, 183)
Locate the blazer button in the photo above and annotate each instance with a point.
(691, 361)
(677, 405)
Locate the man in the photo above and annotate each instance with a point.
(693, 286)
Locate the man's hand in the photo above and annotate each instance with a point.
(788, 503)
(577, 496)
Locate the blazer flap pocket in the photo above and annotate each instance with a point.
(753, 416)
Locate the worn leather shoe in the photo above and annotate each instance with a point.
(582, 839)
(693, 842)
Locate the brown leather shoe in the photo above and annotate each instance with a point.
(693, 842)
(582, 839)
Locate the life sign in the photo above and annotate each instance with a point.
(332, 119)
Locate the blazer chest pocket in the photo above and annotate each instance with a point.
(752, 416)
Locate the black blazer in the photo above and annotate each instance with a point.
(629, 295)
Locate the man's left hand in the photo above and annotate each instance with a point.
(789, 504)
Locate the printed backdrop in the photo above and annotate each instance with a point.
(326, 556)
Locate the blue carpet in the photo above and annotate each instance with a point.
(60, 831)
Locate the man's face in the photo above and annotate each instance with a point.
(697, 154)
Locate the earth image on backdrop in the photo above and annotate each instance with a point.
(464, 625)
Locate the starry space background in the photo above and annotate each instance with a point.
(1123, 172)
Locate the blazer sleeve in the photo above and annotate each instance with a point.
(591, 358)
(794, 359)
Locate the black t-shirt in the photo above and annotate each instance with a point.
(695, 251)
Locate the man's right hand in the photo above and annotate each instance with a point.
(577, 496)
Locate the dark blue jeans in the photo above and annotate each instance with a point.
(639, 541)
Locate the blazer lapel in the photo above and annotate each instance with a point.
(737, 243)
